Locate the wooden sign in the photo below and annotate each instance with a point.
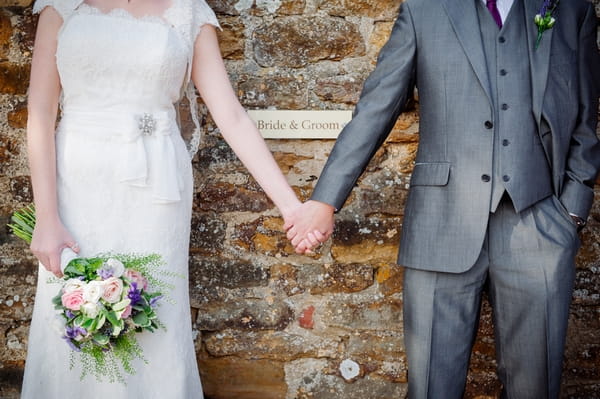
(282, 124)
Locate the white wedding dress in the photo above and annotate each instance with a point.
(124, 182)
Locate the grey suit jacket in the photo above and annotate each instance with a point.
(436, 45)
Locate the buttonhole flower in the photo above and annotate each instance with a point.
(544, 20)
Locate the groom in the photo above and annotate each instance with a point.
(503, 180)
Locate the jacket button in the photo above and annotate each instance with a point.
(505, 143)
(503, 72)
(504, 107)
(501, 39)
(506, 178)
(486, 178)
(488, 124)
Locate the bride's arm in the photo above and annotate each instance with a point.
(240, 132)
(49, 236)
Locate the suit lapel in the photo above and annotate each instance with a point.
(463, 16)
(538, 58)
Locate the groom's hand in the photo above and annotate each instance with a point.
(310, 225)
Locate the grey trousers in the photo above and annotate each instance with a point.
(527, 266)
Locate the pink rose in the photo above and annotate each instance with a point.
(126, 313)
(72, 300)
(137, 278)
(113, 288)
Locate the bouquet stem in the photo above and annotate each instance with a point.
(23, 223)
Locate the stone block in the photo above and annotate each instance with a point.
(390, 277)
(258, 7)
(207, 233)
(11, 375)
(15, 3)
(226, 7)
(20, 188)
(227, 197)
(232, 377)
(10, 148)
(363, 312)
(14, 78)
(377, 9)
(17, 119)
(335, 277)
(365, 240)
(339, 89)
(368, 346)
(232, 38)
(297, 41)
(276, 345)
(379, 37)
(280, 91)
(264, 235)
(245, 314)
(6, 31)
(209, 273)
(318, 379)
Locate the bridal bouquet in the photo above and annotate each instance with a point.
(102, 304)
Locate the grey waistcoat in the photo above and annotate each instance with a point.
(518, 155)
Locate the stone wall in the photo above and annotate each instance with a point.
(272, 324)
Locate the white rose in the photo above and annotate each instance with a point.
(90, 309)
(92, 291)
(73, 284)
(117, 267)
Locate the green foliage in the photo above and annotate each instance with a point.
(23, 223)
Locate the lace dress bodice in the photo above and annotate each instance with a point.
(144, 61)
(110, 71)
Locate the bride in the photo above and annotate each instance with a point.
(115, 174)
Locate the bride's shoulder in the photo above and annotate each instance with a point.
(191, 14)
(63, 7)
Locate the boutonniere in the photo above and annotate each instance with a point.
(544, 20)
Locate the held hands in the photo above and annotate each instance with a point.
(49, 239)
(309, 225)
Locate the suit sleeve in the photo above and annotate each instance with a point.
(583, 160)
(385, 94)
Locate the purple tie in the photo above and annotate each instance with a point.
(491, 5)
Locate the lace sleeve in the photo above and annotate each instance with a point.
(63, 7)
(203, 14)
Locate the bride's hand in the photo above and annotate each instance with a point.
(48, 241)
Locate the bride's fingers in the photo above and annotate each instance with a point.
(54, 261)
(312, 240)
(73, 245)
(296, 240)
(320, 236)
(291, 233)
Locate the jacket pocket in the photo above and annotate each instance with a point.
(430, 174)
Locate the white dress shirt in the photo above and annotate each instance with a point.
(503, 7)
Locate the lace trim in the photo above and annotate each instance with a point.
(124, 14)
(63, 7)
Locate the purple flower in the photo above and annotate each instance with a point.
(134, 294)
(74, 332)
(71, 344)
(548, 5)
(104, 272)
(69, 314)
(154, 300)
